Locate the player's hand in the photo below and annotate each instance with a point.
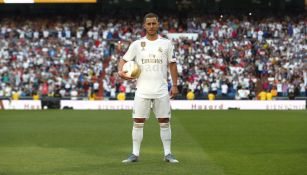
(123, 75)
(174, 92)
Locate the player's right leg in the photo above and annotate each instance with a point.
(141, 111)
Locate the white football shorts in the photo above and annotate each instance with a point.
(160, 106)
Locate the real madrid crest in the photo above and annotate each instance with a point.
(143, 44)
(160, 49)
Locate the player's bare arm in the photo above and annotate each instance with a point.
(174, 75)
(122, 73)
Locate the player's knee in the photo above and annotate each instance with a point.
(164, 125)
(138, 125)
(139, 120)
(163, 120)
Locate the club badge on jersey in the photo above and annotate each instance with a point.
(160, 49)
(143, 44)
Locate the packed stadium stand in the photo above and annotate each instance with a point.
(232, 56)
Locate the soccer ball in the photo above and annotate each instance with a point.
(132, 69)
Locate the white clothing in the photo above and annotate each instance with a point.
(161, 107)
(153, 58)
(224, 88)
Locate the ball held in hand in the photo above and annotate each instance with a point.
(132, 69)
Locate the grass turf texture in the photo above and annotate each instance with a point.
(205, 142)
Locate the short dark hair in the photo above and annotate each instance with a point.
(150, 15)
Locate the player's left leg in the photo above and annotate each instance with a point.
(165, 134)
(162, 110)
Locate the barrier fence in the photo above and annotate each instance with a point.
(175, 104)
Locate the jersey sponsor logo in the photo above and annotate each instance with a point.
(152, 59)
(152, 56)
(158, 61)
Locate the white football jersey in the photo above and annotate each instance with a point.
(153, 58)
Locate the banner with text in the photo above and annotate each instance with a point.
(20, 104)
(193, 105)
(175, 104)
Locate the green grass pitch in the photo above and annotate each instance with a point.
(234, 142)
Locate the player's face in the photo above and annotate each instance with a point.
(151, 26)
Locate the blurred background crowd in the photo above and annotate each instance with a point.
(232, 57)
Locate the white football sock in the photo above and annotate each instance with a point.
(165, 133)
(137, 137)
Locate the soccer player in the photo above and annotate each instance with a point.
(154, 55)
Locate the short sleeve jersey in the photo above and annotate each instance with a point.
(153, 58)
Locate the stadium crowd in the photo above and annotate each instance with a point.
(231, 57)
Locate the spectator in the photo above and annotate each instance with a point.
(72, 55)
